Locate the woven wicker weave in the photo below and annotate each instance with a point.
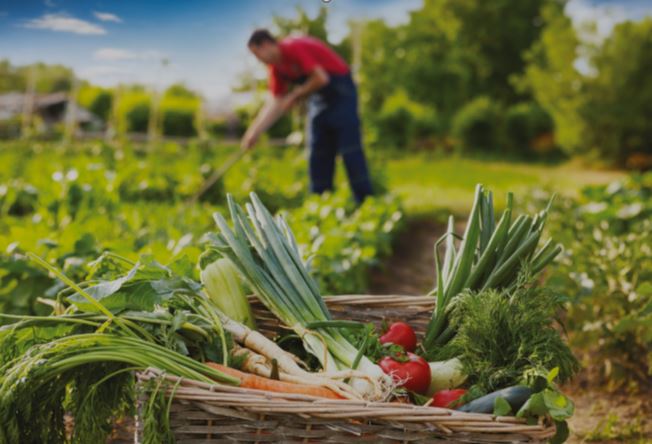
(204, 413)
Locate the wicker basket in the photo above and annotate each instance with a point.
(205, 413)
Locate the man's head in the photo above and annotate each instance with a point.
(263, 45)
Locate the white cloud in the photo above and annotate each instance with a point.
(107, 17)
(65, 23)
(118, 54)
(595, 22)
(49, 3)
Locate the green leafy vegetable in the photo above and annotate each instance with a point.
(222, 284)
(144, 286)
(501, 407)
(503, 334)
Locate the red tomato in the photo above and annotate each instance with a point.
(414, 374)
(400, 333)
(444, 398)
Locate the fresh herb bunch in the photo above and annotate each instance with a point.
(34, 387)
(504, 335)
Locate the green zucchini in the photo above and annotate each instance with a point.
(515, 396)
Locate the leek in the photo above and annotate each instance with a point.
(265, 252)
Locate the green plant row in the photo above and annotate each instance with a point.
(606, 272)
(70, 204)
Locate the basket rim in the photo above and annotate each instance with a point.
(264, 402)
(373, 298)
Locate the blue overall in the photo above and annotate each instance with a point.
(334, 127)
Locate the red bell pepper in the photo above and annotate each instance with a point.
(413, 374)
(446, 398)
(400, 333)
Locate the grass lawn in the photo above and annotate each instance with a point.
(429, 185)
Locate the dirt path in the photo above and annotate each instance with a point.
(600, 417)
(411, 268)
(603, 418)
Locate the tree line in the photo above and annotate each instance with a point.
(501, 77)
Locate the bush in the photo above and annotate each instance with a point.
(138, 118)
(10, 128)
(133, 111)
(477, 125)
(402, 122)
(223, 127)
(96, 100)
(179, 109)
(282, 127)
(178, 119)
(529, 128)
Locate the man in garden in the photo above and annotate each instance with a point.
(314, 71)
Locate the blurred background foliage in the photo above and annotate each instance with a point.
(510, 79)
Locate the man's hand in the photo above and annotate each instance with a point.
(288, 101)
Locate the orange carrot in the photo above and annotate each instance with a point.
(248, 380)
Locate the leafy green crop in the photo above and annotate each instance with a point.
(606, 272)
(70, 204)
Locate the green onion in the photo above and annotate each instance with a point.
(490, 255)
(35, 383)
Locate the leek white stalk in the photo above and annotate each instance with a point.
(267, 349)
(445, 375)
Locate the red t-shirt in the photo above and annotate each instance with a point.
(300, 56)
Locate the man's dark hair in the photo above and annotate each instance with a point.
(260, 36)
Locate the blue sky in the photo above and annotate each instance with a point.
(204, 40)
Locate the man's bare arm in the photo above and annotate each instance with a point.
(318, 78)
(270, 113)
(275, 107)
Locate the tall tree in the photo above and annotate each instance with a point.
(552, 79)
(618, 107)
(496, 34)
(10, 79)
(451, 51)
